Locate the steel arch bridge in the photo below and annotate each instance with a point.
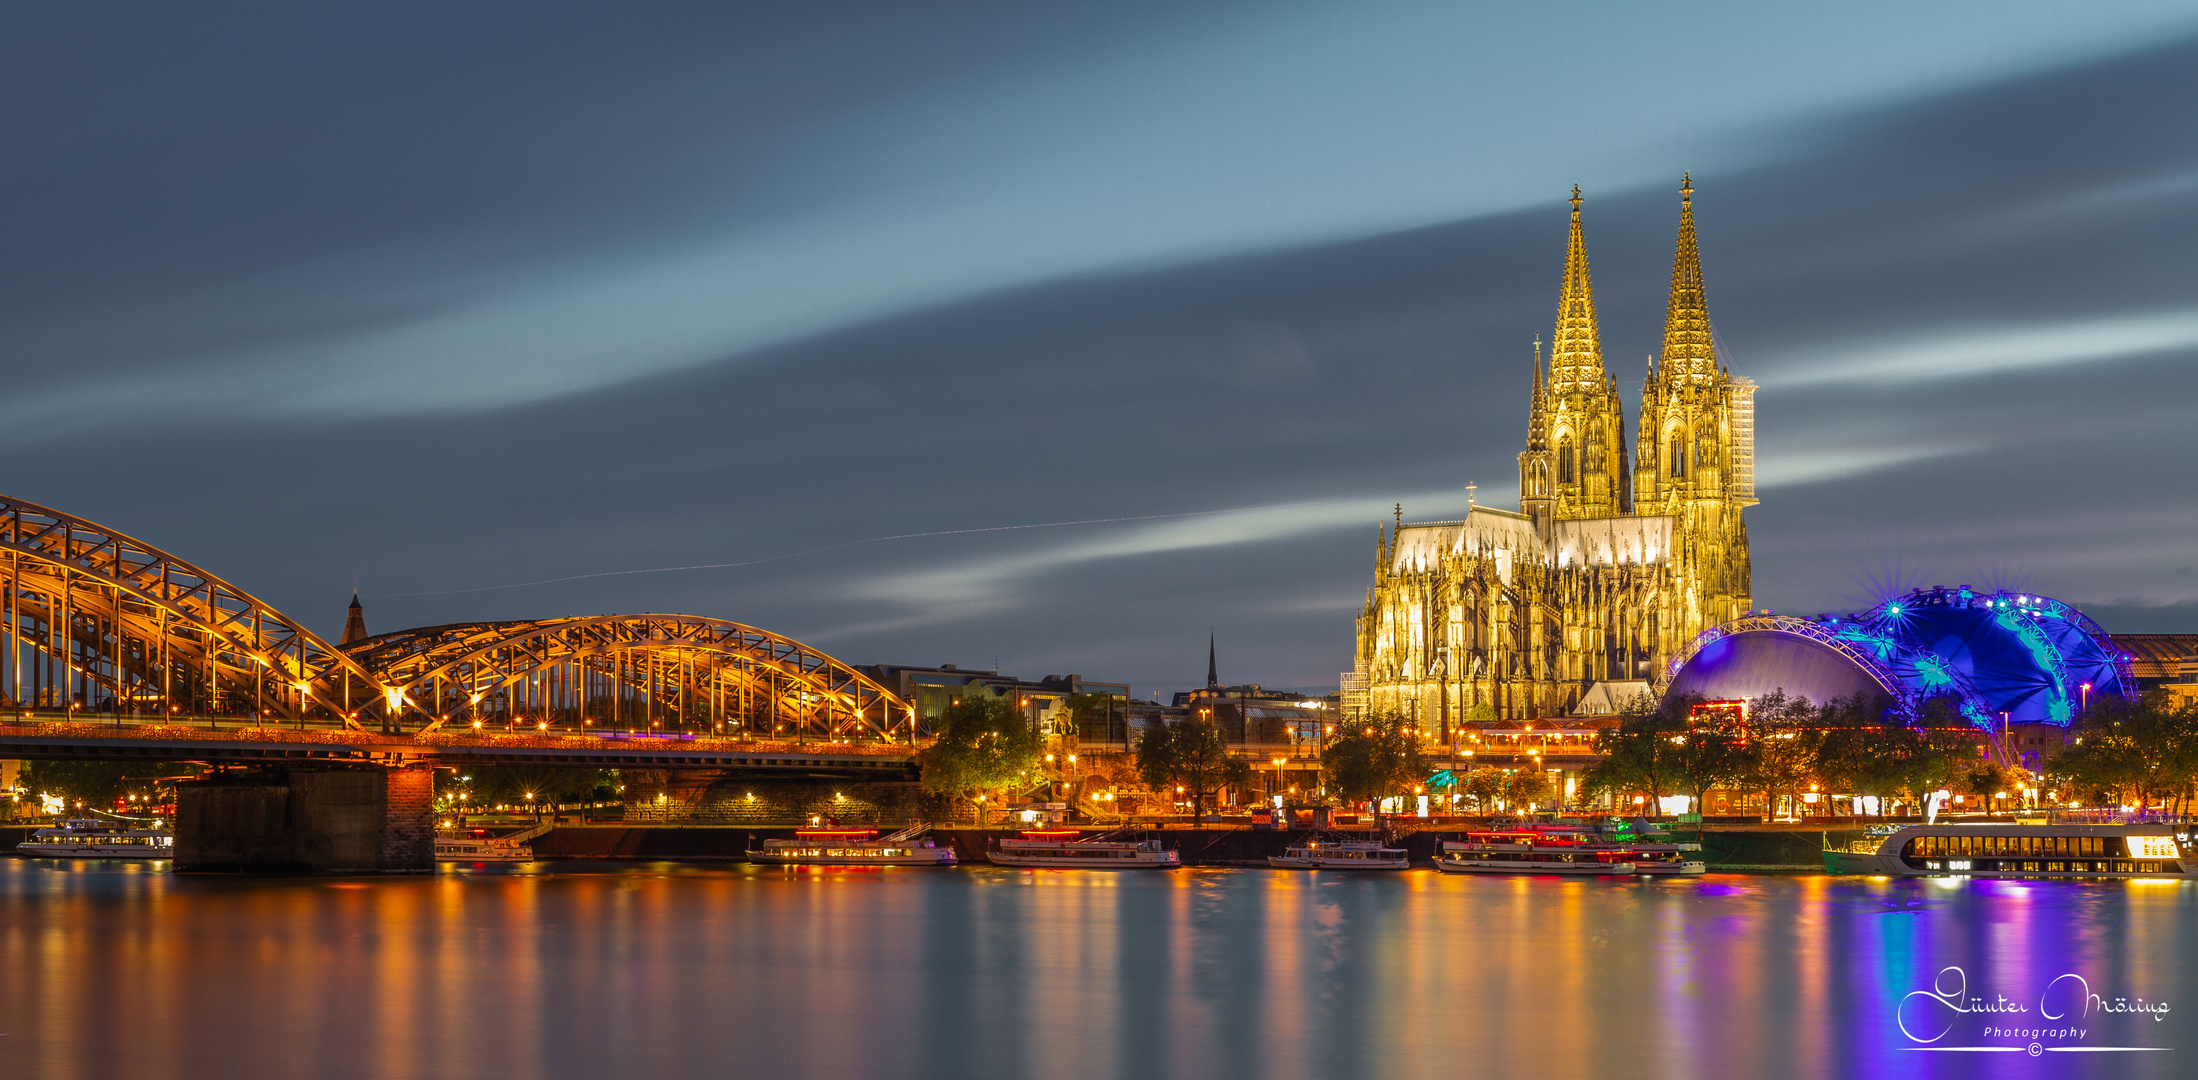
(95, 622)
(634, 673)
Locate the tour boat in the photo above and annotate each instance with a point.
(1341, 855)
(478, 845)
(1532, 853)
(1659, 859)
(854, 847)
(1666, 859)
(83, 838)
(2027, 849)
(1061, 847)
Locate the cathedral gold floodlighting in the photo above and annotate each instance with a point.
(1623, 549)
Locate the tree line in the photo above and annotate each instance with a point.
(2142, 752)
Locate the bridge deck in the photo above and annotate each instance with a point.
(84, 741)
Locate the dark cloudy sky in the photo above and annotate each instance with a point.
(445, 297)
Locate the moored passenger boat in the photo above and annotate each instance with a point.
(1988, 849)
(479, 845)
(1341, 855)
(1061, 848)
(854, 847)
(85, 838)
(1533, 853)
(1666, 859)
(1649, 857)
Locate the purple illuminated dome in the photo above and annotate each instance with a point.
(2004, 656)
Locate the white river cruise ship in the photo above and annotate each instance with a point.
(84, 838)
(2067, 849)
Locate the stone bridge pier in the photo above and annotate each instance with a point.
(334, 819)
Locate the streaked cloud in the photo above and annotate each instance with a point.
(988, 584)
(1941, 355)
(1792, 466)
(1183, 138)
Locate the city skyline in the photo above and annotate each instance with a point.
(1923, 273)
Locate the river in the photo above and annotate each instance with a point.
(116, 969)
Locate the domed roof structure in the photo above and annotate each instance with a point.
(2004, 656)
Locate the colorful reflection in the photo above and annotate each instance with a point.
(555, 970)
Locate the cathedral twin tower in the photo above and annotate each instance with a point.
(1614, 562)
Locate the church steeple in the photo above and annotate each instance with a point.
(354, 624)
(1576, 352)
(1213, 671)
(1575, 458)
(1690, 357)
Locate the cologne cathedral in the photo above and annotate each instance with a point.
(1613, 562)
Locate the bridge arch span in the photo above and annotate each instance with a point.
(655, 673)
(98, 621)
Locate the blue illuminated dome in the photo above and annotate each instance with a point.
(2029, 658)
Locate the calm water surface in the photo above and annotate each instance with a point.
(557, 970)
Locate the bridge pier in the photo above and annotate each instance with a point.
(304, 820)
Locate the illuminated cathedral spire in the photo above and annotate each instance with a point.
(1690, 357)
(1576, 352)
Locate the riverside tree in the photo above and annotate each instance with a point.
(95, 784)
(1484, 786)
(2132, 752)
(985, 746)
(1529, 788)
(1377, 758)
(1191, 755)
(1711, 752)
(1639, 752)
(1782, 747)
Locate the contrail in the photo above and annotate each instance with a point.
(827, 547)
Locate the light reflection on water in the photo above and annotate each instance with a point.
(116, 969)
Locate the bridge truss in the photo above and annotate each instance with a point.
(96, 622)
(628, 673)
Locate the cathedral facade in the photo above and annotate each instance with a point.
(1621, 550)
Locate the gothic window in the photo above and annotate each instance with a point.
(1704, 448)
(1678, 456)
(1564, 462)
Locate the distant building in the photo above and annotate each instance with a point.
(1251, 713)
(2184, 689)
(932, 689)
(1611, 698)
(2157, 660)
